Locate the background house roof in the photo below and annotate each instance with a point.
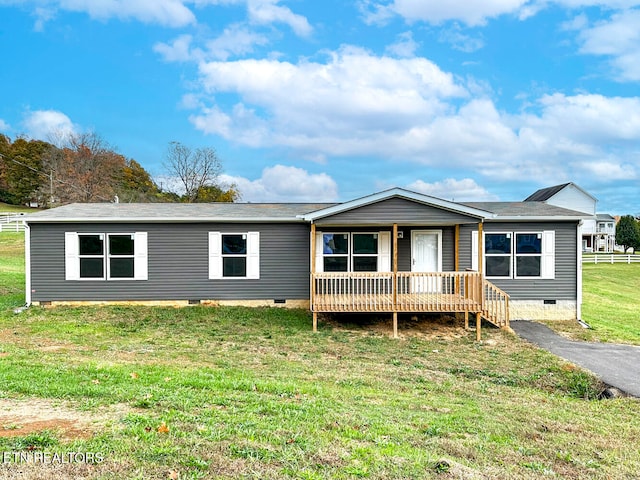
(545, 194)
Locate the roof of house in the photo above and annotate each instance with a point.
(528, 210)
(605, 217)
(289, 212)
(176, 212)
(545, 194)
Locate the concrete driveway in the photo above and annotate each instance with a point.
(616, 365)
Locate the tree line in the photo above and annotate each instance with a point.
(85, 168)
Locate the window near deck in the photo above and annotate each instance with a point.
(335, 250)
(365, 252)
(517, 254)
(234, 255)
(353, 252)
(497, 249)
(100, 256)
(528, 254)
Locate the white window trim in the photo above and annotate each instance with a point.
(511, 236)
(72, 257)
(547, 261)
(383, 256)
(216, 256)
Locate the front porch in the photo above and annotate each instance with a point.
(410, 292)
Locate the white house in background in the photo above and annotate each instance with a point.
(598, 232)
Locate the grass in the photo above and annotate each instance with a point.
(610, 304)
(12, 270)
(6, 208)
(205, 392)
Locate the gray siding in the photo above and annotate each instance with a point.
(562, 287)
(178, 264)
(396, 210)
(404, 244)
(448, 248)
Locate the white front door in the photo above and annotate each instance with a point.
(426, 256)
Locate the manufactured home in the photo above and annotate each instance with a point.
(391, 252)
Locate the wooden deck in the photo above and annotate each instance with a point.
(386, 292)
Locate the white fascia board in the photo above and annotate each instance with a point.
(401, 193)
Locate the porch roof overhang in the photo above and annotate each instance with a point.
(454, 207)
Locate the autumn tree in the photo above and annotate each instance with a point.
(136, 184)
(628, 233)
(86, 170)
(212, 193)
(21, 169)
(198, 172)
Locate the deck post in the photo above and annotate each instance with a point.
(312, 289)
(456, 259)
(466, 319)
(395, 280)
(478, 325)
(395, 324)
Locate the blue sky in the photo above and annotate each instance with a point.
(325, 101)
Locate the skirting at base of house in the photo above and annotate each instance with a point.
(281, 303)
(543, 310)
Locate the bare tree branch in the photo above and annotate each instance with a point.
(194, 168)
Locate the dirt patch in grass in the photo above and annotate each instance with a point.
(425, 326)
(19, 418)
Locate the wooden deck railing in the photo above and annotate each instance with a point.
(496, 304)
(410, 292)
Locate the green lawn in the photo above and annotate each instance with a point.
(6, 208)
(205, 392)
(12, 277)
(610, 304)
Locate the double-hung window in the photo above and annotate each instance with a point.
(353, 252)
(234, 255)
(516, 254)
(528, 261)
(106, 256)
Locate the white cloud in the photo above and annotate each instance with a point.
(460, 41)
(465, 190)
(282, 183)
(347, 99)
(4, 126)
(473, 13)
(171, 13)
(179, 50)
(235, 40)
(266, 12)
(618, 38)
(404, 47)
(470, 13)
(360, 105)
(49, 125)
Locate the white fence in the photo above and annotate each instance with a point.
(11, 222)
(611, 259)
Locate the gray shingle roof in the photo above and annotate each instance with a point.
(527, 209)
(261, 212)
(176, 212)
